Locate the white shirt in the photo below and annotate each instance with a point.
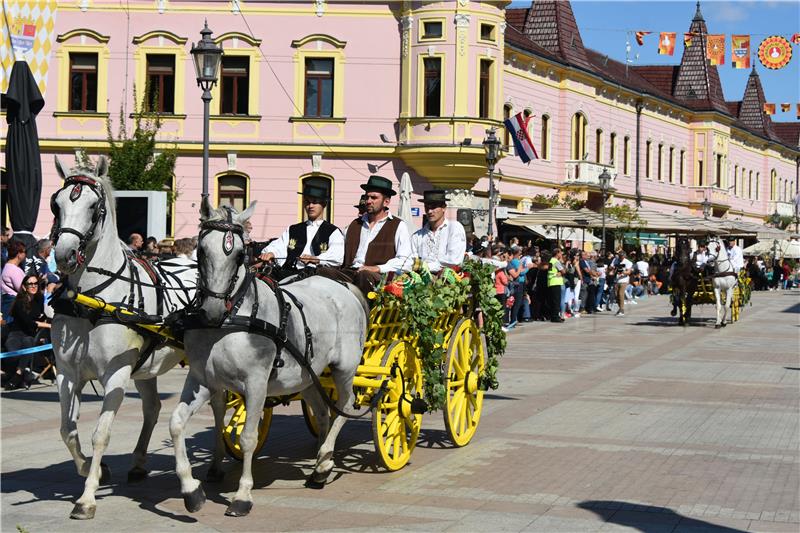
(736, 257)
(333, 256)
(440, 248)
(622, 266)
(402, 245)
(644, 268)
(700, 259)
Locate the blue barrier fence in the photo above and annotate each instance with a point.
(26, 351)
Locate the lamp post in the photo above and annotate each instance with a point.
(706, 208)
(605, 181)
(491, 144)
(206, 55)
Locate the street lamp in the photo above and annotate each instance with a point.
(706, 208)
(605, 181)
(206, 55)
(491, 144)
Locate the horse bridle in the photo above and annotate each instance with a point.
(716, 255)
(77, 183)
(230, 228)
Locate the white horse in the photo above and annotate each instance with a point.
(316, 317)
(89, 344)
(725, 278)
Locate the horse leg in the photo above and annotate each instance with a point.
(193, 397)
(114, 387)
(344, 386)
(718, 298)
(69, 395)
(243, 500)
(151, 406)
(215, 473)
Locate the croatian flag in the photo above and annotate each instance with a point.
(517, 127)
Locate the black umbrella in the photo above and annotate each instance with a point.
(23, 160)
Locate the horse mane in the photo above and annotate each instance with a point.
(221, 213)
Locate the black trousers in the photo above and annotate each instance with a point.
(554, 302)
(591, 298)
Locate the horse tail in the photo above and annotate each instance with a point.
(361, 299)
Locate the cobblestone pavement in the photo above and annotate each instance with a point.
(600, 424)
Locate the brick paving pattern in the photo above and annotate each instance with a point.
(600, 424)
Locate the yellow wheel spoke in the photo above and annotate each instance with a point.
(456, 384)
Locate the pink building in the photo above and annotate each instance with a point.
(334, 91)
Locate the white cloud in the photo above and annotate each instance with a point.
(726, 11)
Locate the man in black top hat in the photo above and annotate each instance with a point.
(441, 242)
(362, 205)
(313, 242)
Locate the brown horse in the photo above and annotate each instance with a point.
(683, 281)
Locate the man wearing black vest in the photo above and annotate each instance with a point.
(376, 243)
(313, 242)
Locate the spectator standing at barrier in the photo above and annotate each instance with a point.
(601, 283)
(589, 287)
(28, 314)
(12, 275)
(516, 275)
(539, 298)
(555, 286)
(135, 243)
(37, 264)
(622, 267)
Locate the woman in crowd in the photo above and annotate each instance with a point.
(12, 275)
(28, 314)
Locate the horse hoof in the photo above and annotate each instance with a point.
(194, 500)
(316, 480)
(83, 512)
(239, 508)
(673, 313)
(105, 474)
(215, 475)
(717, 326)
(137, 474)
(724, 324)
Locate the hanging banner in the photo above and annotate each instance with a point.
(798, 111)
(715, 49)
(687, 38)
(769, 109)
(775, 52)
(740, 51)
(26, 34)
(666, 43)
(785, 107)
(796, 38)
(640, 37)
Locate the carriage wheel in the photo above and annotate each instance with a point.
(466, 357)
(235, 415)
(735, 304)
(311, 418)
(394, 427)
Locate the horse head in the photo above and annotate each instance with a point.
(81, 208)
(221, 259)
(717, 253)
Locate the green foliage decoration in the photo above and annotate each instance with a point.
(421, 306)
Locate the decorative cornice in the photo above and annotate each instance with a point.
(333, 41)
(159, 33)
(461, 20)
(82, 31)
(238, 35)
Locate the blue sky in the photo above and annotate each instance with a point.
(603, 26)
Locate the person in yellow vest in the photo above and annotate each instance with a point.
(376, 243)
(555, 286)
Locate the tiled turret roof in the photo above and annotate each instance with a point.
(751, 112)
(551, 24)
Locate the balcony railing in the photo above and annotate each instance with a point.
(715, 195)
(784, 209)
(587, 173)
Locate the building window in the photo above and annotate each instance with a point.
(612, 149)
(700, 172)
(432, 29)
(160, 83)
(773, 185)
(433, 86)
(319, 87)
(750, 185)
(659, 162)
(579, 125)
(647, 160)
(626, 156)
(232, 191)
(671, 164)
(235, 93)
(758, 184)
(736, 180)
(487, 32)
(718, 171)
(506, 134)
(598, 146)
(82, 82)
(324, 182)
(485, 88)
(544, 146)
(681, 163)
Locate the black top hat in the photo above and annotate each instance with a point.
(315, 191)
(434, 196)
(362, 202)
(379, 184)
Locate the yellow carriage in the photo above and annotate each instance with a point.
(704, 294)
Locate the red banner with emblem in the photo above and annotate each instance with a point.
(740, 51)
(715, 49)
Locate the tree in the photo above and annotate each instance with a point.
(133, 164)
(569, 200)
(626, 214)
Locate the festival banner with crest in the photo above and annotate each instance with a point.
(775, 52)
(740, 51)
(715, 49)
(27, 35)
(666, 43)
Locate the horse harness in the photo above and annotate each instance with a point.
(727, 260)
(78, 183)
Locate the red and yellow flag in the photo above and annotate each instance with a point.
(715, 49)
(785, 107)
(798, 111)
(796, 38)
(769, 109)
(687, 38)
(640, 37)
(740, 51)
(666, 43)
